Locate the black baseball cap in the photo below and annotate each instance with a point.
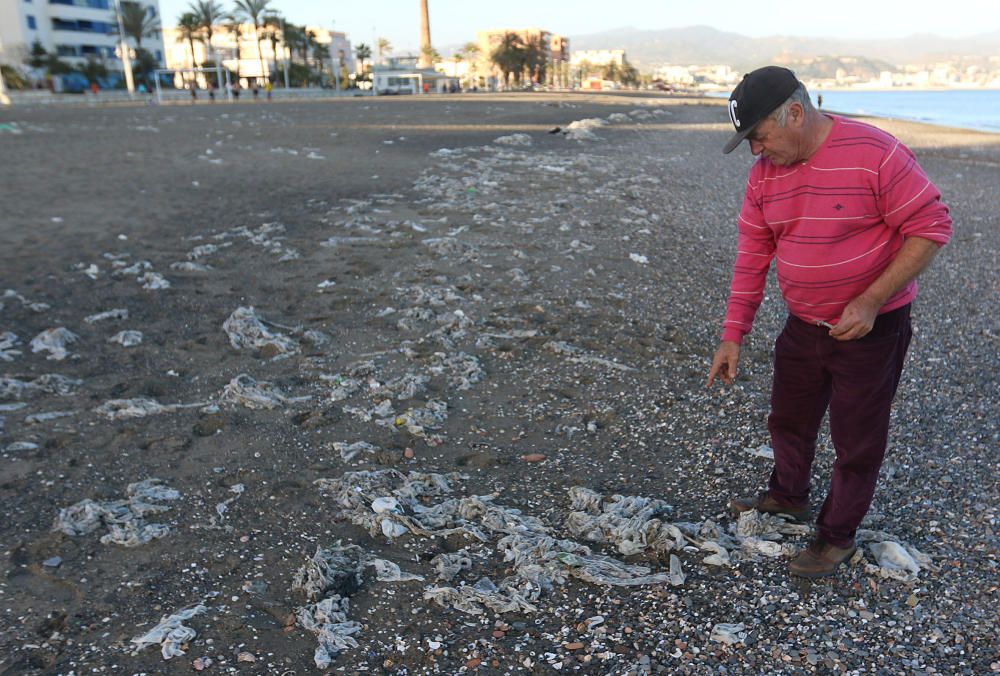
(756, 96)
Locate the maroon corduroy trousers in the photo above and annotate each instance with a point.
(857, 381)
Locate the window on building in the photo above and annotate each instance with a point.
(66, 50)
(31, 23)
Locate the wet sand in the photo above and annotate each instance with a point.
(551, 296)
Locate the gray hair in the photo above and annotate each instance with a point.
(799, 96)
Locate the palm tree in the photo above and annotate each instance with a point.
(471, 51)
(274, 23)
(384, 48)
(253, 12)
(190, 28)
(509, 56)
(209, 14)
(362, 52)
(138, 23)
(293, 36)
(321, 52)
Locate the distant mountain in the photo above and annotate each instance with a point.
(702, 45)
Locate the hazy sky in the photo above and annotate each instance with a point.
(455, 22)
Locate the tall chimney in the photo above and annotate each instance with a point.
(425, 37)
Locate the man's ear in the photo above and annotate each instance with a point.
(796, 114)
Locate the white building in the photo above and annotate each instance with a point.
(597, 57)
(73, 29)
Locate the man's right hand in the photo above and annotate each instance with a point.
(724, 363)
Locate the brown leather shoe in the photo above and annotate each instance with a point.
(820, 559)
(765, 503)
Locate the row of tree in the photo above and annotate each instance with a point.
(308, 58)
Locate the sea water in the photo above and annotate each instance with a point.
(967, 108)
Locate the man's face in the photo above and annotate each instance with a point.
(781, 145)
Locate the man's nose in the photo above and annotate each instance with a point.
(756, 148)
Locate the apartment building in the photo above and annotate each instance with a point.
(74, 29)
(555, 49)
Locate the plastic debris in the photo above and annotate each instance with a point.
(127, 338)
(728, 633)
(448, 566)
(36, 418)
(331, 575)
(328, 620)
(52, 383)
(246, 391)
(222, 507)
(118, 313)
(170, 634)
(514, 140)
(677, 576)
(894, 561)
(54, 341)
(246, 330)
(350, 451)
(580, 355)
(31, 305)
(153, 281)
(387, 571)
(8, 341)
(638, 258)
(764, 451)
(122, 409)
(124, 519)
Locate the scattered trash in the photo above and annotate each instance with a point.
(127, 338)
(54, 341)
(514, 140)
(31, 305)
(246, 391)
(222, 507)
(331, 575)
(638, 258)
(8, 341)
(764, 451)
(122, 409)
(170, 634)
(118, 313)
(51, 383)
(246, 330)
(728, 633)
(350, 451)
(153, 281)
(580, 356)
(124, 519)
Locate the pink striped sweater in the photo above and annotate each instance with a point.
(833, 223)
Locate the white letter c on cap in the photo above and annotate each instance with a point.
(732, 114)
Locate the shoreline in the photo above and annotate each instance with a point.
(875, 116)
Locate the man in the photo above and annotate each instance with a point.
(851, 220)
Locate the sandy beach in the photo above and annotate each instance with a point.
(416, 385)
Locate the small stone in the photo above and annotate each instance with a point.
(201, 663)
(247, 657)
(576, 645)
(499, 634)
(473, 663)
(912, 600)
(408, 453)
(54, 562)
(533, 457)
